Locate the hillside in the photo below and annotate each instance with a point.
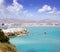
(5, 47)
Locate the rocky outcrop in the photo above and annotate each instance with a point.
(15, 32)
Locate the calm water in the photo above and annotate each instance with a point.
(37, 41)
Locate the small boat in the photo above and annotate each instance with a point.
(45, 32)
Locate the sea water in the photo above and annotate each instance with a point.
(39, 39)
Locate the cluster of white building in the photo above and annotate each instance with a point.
(5, 26)
(39, 24)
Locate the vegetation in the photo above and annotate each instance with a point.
(3, 38)
(5, 45)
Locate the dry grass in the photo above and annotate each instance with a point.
(5, 47)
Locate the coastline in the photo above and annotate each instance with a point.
(15, 32)
(22, 31)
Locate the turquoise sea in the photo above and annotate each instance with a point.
(38, 41)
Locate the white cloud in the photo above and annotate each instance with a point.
(1, 1)
(15, 7)
(11, 11)
(54, 11)
(14, 11)
(45, 8)
(27, 14)
(1, 4)
(2, 9)
(48, 9)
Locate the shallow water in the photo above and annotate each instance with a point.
(37, 41)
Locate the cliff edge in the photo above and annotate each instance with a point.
(5, 45)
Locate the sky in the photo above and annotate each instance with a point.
(30, 9)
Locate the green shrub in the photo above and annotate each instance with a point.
(3, 38)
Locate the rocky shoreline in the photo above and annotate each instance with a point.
(15, 32)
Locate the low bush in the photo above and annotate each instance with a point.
(3, 38)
